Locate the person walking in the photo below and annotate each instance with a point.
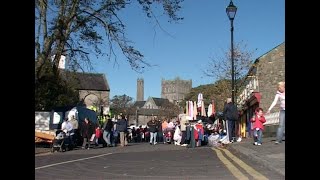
(280, 96)
(183, 129)
(122, 126)
(258, 127)
(107, 130)
(153, 129)
(87, 129)
(231, 116)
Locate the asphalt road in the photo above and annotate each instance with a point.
(144, 161)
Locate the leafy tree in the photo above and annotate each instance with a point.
(52, 91)
(81, 28)
(168, 110)
(121, 104)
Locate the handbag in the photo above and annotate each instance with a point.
(92, 137)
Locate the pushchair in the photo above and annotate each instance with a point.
(168, 135)
(62, 142)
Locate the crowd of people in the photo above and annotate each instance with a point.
(176, 131)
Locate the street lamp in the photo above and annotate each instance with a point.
(231, 12)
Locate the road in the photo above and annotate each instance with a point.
(144, 161)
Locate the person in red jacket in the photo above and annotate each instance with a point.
(258, 127)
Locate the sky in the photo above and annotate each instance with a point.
(185, 49)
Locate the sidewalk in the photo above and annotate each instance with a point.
(269, 155)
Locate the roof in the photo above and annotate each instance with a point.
(139, 104)
(89, 81)
(160, 101)
(155, 112)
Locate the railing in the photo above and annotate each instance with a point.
(272, 118)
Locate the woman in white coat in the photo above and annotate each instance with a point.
(177, 136)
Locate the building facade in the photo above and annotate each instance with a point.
(260, 87)
(176, 89)
(152, 107)
(94, 90)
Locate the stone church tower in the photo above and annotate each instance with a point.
(176, 89)
(140, 89)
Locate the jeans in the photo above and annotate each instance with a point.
(231, 129)
(106, 137)
(281, 127)
(257, 136)
(86, 141)
(153, 137)
(183, 137)
(160, 137)
(115, 140)
(123, 139)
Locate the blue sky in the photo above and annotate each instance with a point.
(186, 52)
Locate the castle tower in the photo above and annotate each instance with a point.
(176, 89)
(140, 89)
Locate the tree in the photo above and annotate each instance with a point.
(52, 91)
(220, 68)
(81, 28)
(169, 110)
(121, 104)
(216, 92)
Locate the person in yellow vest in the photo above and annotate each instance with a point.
(93, 108)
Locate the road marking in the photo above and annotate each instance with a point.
(65, 162)
(234, 170)
(255, 174)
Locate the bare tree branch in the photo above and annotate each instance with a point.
(73, 27)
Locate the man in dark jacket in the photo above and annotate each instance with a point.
(107, 130)
(122, 126)
(153, 129)
(87, 129)
(229, 112)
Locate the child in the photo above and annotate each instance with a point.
(258, 127)
(98, 135)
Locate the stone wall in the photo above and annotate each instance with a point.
(175, 90)
(270, 71)
(91, 97)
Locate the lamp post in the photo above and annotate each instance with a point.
(231, 12)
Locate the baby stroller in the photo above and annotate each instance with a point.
(168, 136)
(62, 142)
